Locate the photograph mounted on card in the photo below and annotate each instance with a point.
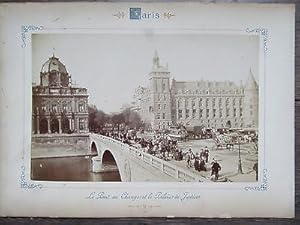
(154, 109)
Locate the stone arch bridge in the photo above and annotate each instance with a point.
(135, 165)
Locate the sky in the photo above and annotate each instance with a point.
(111, 66)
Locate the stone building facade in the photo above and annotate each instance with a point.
(209, 104)
(57, 106)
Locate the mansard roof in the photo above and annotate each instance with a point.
(204, 85)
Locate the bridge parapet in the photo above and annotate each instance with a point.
(174, 171)
(179, 173)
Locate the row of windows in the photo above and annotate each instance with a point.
(65, 107)
(160, 116)
(193, 113)
(161, 97)
(207, 92)
(159, 106)
(214, 101)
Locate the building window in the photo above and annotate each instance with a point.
(241, 112)
(227, 101)
(220, 102)
(207, 113)
(214, 112)
(158, 106)
(64, 107)
(81, 124)
(81, 108)
(187, 112)
(193, 103)
(206, 102)
(163, 86)
(233, 101)
(165, 97)
(240, 101)
(200, 102)
(194, 113)
(164, 106)
(234, 111)
(227, 112)
(179, 113)
(54, 108)
(150, 109)
(44, 108)
(214, 102)
(158, 97)
(220, 111)
(201, 113)
(164, 116)
(158, 116)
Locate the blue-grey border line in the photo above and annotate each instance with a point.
(30, 29)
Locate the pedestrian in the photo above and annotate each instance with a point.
(189, 157)
(215, 168)
(202, 165)
(197, 162)
(202, 154)
(255, 168)
(206, 154)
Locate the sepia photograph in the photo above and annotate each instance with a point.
(136, 107)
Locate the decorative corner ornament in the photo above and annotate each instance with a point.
(25, 29)
(264, 32)
(168, 15)
(26, 185)
(264, 185)
(119, 15)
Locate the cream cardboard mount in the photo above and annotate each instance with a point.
(105, 111)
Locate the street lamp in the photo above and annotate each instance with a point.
(240, 171)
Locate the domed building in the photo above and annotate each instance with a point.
(57, 106)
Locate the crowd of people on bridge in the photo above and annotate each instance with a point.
(165, 148)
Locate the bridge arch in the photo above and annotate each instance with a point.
(111, 163)
(106, 154)
(94, 148)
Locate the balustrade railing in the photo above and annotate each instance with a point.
(168, 168)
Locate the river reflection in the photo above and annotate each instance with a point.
(68, 169)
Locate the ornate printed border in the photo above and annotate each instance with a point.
(264, 32)
(25, 29)
(24, 184)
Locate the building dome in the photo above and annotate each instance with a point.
(53, 64)
(54, 73)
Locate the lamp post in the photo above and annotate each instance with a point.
(240, 171)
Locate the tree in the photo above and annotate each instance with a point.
(97, 118)
(92, 115)
(117, 120)
(132, 118)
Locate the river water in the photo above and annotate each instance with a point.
(68, 169)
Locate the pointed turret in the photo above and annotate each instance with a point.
(251, 102)
(251, 82)
(155, 60)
